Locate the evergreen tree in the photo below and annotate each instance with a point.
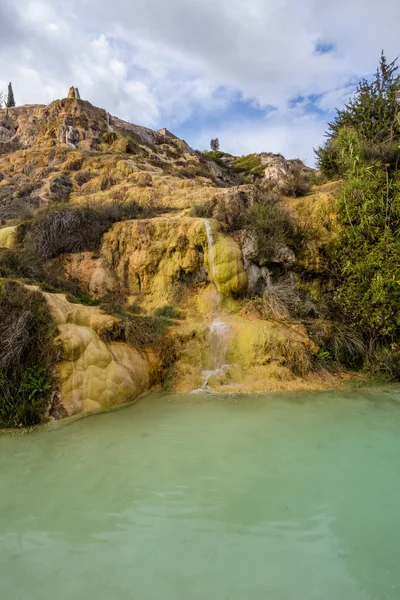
(10, 97)
(214, 144)
(372, 114)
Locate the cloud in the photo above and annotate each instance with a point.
(179, 63)
(293, 135)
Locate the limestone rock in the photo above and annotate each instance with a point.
(95, 374)
(154, 257)
(90, 272)
(8, 237)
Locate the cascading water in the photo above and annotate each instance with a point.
(109, 128)
(218, 350)
(218, 330)
(211, 256)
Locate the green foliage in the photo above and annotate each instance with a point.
(364, 148)
(366, 255)
(372, 114)
(27, 355)
(250, 163)
(82, 298)
(10, 97)
(272, 227)
(168, 311)
(214, 154)
(383, 362)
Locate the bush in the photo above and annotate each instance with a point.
(141, 332)
(250, 163)
(338, 342)
(64, 229)
(272, 227)
(205, 210)
(384, 362)
(27, 355)
(168, 311)
(297, 183)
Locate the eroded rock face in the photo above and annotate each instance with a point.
(155, 257)
(260, 355)
(93, 373)
(91, 272)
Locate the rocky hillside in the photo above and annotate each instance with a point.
(198, 268)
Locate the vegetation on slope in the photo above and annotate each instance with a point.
(27, 355)
(363, 148)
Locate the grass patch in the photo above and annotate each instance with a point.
(250, 163)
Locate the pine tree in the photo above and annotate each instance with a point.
(214, 144)
(10, 97)
(372, 114)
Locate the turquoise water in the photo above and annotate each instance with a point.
(200, 497)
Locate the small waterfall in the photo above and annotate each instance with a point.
(109, 128)
(211, 256)
(218, 330)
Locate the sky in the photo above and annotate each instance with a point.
(262, 75)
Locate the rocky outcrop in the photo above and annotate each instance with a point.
(74, 93)
(259, 355)
(92, 372)
(154, 259)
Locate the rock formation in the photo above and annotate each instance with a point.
(74, 93)
(196, 251)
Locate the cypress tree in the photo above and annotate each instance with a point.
(10, 97)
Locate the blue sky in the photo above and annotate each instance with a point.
(262, 75)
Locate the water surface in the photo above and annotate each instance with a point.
(201, 497)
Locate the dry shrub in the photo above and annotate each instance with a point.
(27, 355)
(271, 225)
(296, 183)
(338, 342)
(66, 229)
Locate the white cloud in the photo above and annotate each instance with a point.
(160, 62)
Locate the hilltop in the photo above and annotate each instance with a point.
(158, 263)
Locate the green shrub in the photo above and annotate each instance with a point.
(373, 115)
(384, 362)
(168, 311)
(272, 226)
(250, 163)
(27, 355)
(214, 154)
